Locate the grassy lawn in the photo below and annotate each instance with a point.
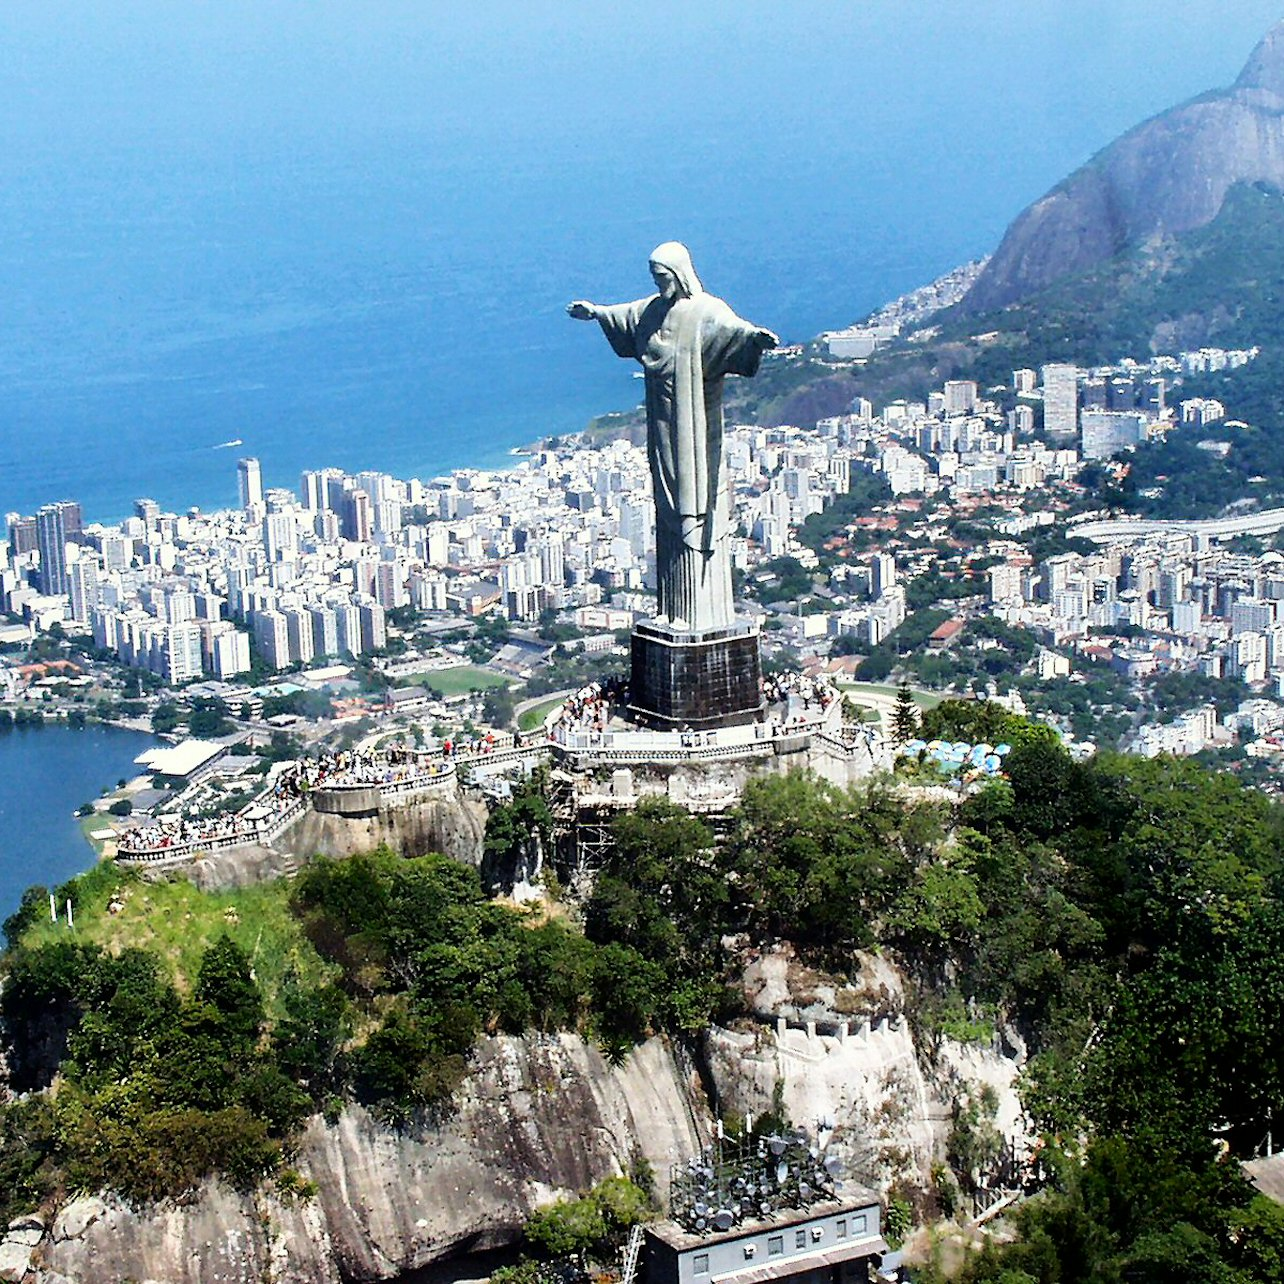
(866, 713)
(924, 699)
(98, 820)
(534, 716)
(458, 680)
(178, 923)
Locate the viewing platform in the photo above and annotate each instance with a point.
(343, 784)
(800, 715)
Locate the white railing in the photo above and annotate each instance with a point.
(265, 829)
(281, 815)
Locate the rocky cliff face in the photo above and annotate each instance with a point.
(536, 1118)
(1164, 177)
(453, 825)
(842, 1061)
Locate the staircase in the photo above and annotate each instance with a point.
(632, 1250)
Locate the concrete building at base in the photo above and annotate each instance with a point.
(836, 1242)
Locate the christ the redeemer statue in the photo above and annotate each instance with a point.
(687, 341)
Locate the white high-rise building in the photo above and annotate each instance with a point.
(83, 586)
(1061, 402)
(182, 651)
(348, 626)
(960, 396)
(298, 630)
(325, 631)
(272, 635)
(390, 585)
(1005, 583)
(312, 491)
(230, 654)
(249, 480)
(437, 545)
(51, 539)
(280, 536)
(552, 557)
(427, 590)
(882, 574)
(374, 627)
(117, 549)
(179, 606)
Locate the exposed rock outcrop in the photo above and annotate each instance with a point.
(1162, 178)
(537, 1117)
(842, 1055)
(451, 824)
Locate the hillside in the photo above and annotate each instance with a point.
(1165, 177)
(1218, 285)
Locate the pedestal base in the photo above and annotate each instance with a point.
(695, 680)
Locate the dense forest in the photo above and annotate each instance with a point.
(1123, 915)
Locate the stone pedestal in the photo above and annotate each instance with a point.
(695, 680)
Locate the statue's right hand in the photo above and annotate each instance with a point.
(581, 310)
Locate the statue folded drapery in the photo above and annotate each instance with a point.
(687, 342)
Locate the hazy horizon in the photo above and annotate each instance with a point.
(348, 241)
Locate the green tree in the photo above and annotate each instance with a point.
(904, 716)
(308, 1040)
(165, 718)
(32, 907)
(224, 983)
(498, 706)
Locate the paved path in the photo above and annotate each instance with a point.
(535, 701)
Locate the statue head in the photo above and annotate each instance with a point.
(674, 274)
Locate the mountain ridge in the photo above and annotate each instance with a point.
(1165, 176)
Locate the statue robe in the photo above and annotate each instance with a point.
(686, 346)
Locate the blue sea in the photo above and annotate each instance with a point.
(346, 239)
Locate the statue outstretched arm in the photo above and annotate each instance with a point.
(619, 322)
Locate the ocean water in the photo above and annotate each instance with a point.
(349, 243)
(45, 774)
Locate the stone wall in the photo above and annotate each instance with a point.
(844, 1054)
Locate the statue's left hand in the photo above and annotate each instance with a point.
(767, 339)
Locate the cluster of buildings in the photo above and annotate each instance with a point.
(966, 443)
(291, 576)
(1184, 601)
(298, 575)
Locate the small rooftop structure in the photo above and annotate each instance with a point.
(835, 1242)
(945, 633)
(186, 760)
(323, 677)
(765, 1208)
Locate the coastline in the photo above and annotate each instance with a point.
(45, 774)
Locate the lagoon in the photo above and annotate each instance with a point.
(45, 774)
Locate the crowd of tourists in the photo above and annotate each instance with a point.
(177, 833)
(379, 767)
(812, 693)
(391, 766)
(590, 708)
